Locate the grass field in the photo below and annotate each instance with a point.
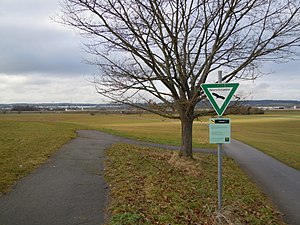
(276, 133)
(142, 127)
(27, 140)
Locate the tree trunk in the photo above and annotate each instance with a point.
(187, 119)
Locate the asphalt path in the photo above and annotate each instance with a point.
(69, 189)
(278, 181)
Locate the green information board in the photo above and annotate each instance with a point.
(219, 130)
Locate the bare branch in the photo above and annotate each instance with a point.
(166, 49)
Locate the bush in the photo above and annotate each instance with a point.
(243, 110)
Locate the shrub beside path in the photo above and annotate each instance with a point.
(70, 189)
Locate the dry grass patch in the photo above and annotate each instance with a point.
(189, 166)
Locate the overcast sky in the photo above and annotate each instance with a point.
(42, 61)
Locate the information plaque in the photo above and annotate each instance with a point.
(219, 130)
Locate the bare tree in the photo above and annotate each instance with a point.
(168, 48)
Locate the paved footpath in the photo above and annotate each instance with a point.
(280, 182)
(69, 189)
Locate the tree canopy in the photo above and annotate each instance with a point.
(168, 48)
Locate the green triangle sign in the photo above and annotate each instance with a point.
(219, 95)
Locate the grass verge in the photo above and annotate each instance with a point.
(152, 186)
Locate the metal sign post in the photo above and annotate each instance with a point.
(219, 177)
(220, 161)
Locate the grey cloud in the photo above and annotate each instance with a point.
(275, 70)
(263, 86)
(28, 7)
(36, 44)
(41, 61)
(34, 88)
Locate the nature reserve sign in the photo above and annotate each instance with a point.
(219, 95)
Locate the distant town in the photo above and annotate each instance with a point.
(49, 107)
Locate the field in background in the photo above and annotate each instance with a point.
(147, 127)
(275, 133)
(27, 140)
